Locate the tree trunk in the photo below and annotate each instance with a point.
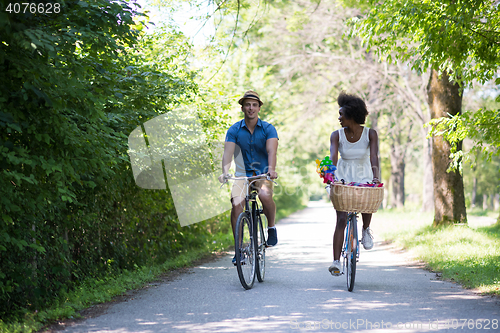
(397, 177)
(428, 181)
(474, 191)
(485, 202)
(445, 98)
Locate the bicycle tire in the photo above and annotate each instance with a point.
(245, 251)
(352, 252)
(260, 247)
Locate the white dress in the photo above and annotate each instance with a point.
(354, 164)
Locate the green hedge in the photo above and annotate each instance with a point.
(73, 85)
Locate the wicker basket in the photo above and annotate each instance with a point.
(355, 198)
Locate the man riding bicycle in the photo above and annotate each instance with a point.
(257, 142)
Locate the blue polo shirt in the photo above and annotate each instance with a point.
(251, 146)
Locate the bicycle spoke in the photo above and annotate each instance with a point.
(352, 240)
(245, 251)
(260, 245)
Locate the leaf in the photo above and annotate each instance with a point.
(7, 219)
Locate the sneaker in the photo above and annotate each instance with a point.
(334, 268)
(367, 239)
(272, 236)
(242, 260)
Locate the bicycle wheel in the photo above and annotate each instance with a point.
(260, 246)
(245, 251)
(352, 248)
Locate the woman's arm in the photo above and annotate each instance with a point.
(334, 147)
(374, 155)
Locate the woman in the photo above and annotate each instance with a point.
(358, 148)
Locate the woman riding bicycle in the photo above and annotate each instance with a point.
(358, 148)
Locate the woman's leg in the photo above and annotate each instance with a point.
(367, 218)
(366, 234)
(338, 236)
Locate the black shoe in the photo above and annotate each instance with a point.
(243, 260)
(272, 237)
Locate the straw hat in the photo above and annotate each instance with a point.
(251, 95)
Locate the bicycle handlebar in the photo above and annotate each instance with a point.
(261, 176)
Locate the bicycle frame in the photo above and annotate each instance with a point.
(349, 221)
(252, 214)
(350, 250)
(251, 195)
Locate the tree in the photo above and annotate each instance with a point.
(304, 50)
(73, 85)
(458, 41)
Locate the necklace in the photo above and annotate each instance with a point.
(352, 136)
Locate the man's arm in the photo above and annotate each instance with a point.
(227, 157)
(272, 149)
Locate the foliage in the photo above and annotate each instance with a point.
(98, 290)
(460, 37)
(72, 87)
(483, 126)
(302, 62)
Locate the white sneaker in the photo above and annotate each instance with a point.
(334, 268)
(367, 239)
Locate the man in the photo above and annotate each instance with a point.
(257, 142)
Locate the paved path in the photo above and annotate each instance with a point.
(299, 295)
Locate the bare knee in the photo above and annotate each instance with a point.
(341, 220)
(237, 203)
(266, 198)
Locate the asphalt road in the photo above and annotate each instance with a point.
(391, 294)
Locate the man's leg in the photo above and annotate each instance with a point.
(237, 201)
(236, 210)
(269, 210)
(268, 205)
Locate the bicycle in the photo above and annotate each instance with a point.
(250, 241)
(353, 200)
(350, 250)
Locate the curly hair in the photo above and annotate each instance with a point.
(353, 107)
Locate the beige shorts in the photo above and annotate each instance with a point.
(239, 188)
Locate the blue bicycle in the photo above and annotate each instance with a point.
(350, 250)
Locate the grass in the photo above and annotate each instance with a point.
(95, 291)
(467, 254)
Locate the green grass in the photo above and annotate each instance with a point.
(103, 290)
(467, 254)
